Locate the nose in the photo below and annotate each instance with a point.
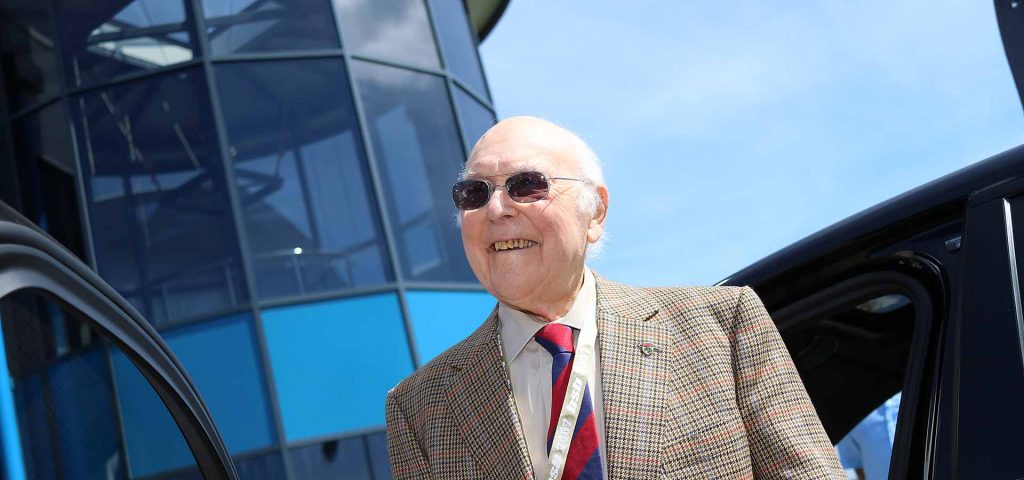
(500, 205)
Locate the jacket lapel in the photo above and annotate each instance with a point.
(480, 396)
(634, 379)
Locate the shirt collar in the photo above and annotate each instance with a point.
(518, 328)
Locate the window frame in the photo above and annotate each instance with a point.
(913, 450)
(29, 259)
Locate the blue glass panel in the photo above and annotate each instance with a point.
(442, 319)
(302, 178)
(102, 40)
(396, 30)
(344, 458)
(153, 440)
(27, 48)
(244, 26)
(458, 43)
(221, 358)
(334, 361)
(161, 219)
(474, 118)
(414, 139)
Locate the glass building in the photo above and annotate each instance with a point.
(267, 182)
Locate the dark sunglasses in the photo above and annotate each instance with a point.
(522, 187)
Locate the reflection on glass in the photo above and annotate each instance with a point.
(334, 361)
(221, 358)
(474, 118)
(377, 444)
(414, 139)
(27, 49)
(441, 319)
(459, 43)
(245, 26)
(301, 172)
(160, 215)
(64, 396)
(342, 458)
(46, 175)
(108, 39)
(395, 30)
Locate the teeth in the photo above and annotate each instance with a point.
(512, 244)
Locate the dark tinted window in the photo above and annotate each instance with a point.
(160, 215)
(344, 458)
(411, 125)
(27, 49)
(106, 39)
(69, 421)
(300, 167)
(46, 175)
(396, 30)
(244, 26)
(991, 375)
(459, 44)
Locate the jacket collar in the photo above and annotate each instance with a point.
(480, 392)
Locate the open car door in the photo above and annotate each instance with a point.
(75, 360)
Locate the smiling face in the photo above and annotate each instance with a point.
(530, 255)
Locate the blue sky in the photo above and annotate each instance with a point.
(729, 130)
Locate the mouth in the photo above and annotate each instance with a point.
(514, 244)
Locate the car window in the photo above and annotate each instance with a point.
(62, 391)
(866, 450)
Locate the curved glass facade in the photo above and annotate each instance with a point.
(267, 182)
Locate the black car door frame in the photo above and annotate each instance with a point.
(28, 259)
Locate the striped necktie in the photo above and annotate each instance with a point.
(584, 460)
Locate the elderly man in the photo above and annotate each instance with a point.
(574, 376)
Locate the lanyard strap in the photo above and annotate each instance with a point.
(582, 365)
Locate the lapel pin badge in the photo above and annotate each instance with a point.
(648, 349)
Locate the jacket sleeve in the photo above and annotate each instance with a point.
(785, 435)
(407, 459)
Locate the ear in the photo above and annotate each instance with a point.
(596, 227)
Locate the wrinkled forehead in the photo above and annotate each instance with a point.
(489, 162)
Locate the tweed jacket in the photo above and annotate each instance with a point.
(719, 397)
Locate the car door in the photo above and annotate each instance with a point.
(75, 358)
(979, 436)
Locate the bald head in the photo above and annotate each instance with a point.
(529, 253)
(537, 138)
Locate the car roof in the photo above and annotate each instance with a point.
(951, 190)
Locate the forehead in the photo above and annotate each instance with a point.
(490, 161)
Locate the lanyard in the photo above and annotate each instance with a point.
(582, 364)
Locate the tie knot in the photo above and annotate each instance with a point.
(555, 338)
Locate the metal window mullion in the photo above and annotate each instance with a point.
(376, 187)
(449, 85)
(270, 56)
(479, 59)
(392, 63)
(227, 163)
(85, 223)
(131, 77)
(469, 91)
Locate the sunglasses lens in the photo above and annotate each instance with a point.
(527, 187)
(470, 194)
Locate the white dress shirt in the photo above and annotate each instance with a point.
(529, 366)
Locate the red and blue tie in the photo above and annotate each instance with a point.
(584, 460)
